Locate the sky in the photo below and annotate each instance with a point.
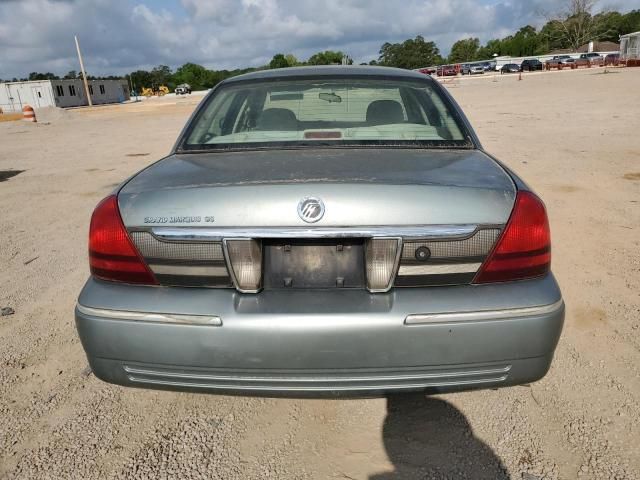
(119, 36)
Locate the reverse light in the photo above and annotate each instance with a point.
(381, 255)
(524, 248)
(112, 255)
(245, 263)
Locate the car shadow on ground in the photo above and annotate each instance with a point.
(429, 438)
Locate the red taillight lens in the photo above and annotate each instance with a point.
(524, 248)
(112, 256)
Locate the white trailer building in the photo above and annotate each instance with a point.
(60, 93)
(630, 48)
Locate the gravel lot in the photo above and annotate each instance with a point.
(573, 135)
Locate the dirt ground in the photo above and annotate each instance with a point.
(573, 135)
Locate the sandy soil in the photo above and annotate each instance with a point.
(572, 135)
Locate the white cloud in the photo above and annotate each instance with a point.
(118, 36)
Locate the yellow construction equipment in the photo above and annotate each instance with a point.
(155, 91)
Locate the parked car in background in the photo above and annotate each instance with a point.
(612, 59)
(510, 68)
(476, 69)
(530, 64)
(183, 89)
(560, 62)
(582, 62)
(428, 70)
(595, 59)
(315, 231)
(489, 66)
(465, 69)
(552, 63)
(447, 71)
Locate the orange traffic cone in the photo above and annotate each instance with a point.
(28, 114)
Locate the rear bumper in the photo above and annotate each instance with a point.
(330, 342)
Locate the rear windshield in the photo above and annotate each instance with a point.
(337, 112)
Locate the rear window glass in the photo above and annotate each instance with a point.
(341, 111)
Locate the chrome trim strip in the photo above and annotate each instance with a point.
(181, 319)
(483, 315)
(309, 388)
(408, 270)
(194, 270)
(311, 380)
(427, 232)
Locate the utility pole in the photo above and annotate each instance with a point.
(84, 75)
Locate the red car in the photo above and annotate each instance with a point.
(427, 71)
(447, 71)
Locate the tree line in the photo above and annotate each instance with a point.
(197, 76)
(569, 28)
(571, 31)
(200, 78)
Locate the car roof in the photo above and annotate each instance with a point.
(330, 71)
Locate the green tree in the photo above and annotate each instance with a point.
(492, 47)
(575, 23)
(610, 25)
(292, 61)
(197, 76)
(278, 61)
(525, 42)
(551, 36)
(464, 50)
(630, 22)
(140, 79)
(328, 57)
(72, 74)
(43, 76)
(411, 54)
(161, 75)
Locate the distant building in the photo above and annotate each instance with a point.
(630, 47)
(60, 93)
(595, 46)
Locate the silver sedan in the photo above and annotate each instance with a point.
(322, 231)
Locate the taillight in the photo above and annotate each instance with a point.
(524, 248)
(245, 261)
(381, 258)
(112, 256)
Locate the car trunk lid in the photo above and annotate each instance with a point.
(441, 212)
(358, 187)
